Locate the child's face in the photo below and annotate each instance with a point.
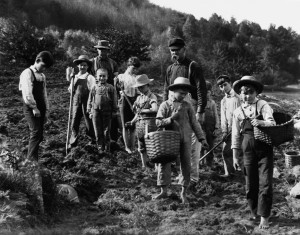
(40, 66)
(132, 69)
(101, 76)
(83, 66)
(208, 95)
(179, 94)
(143, 89)
(225, 87)
(248, 95)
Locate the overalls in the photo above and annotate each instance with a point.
(36, 124)
(102, 116)
(258, 170)
(80, 109)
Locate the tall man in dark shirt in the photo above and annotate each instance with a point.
(185, 67)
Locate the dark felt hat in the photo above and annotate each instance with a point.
(181, 83)
(248, 80)
(103, 44)
(176, 43)
(82, 58)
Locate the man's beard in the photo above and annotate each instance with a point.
(174, 58)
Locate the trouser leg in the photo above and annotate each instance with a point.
(194, 158)
(227, 156)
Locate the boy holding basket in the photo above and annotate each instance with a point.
(176, 109)
(257, 155)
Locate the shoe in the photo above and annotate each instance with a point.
(192, 186)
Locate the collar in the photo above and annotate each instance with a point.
(230, 94)
(148, 93)
(244, 105)
(82, 75)
(34, 69)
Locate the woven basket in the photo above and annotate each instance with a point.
(292, 158)
(162, 146)
(276, 135)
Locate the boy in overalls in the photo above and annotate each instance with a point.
(34, 94)
(257, 155)
(146, 102)
(181, 111)
(102, 106)
(83, 82)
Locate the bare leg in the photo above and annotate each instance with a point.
(163, 193)
(183, 195)
(264, 223)
(125, 138)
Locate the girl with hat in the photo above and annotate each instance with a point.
(145, 103)
(125, 83)
(257, 155)
(82, 84)
(181, 111)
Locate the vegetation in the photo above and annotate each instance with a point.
(139, 28)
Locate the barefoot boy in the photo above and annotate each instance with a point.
(257, 155)
(102, 105)
(176, 109)
(83, 82)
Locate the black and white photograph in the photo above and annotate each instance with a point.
(149, 117)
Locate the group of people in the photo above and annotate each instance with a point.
(101, 96)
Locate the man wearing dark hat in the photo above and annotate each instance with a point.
(103, 61)
(185, 67)
(83, 83)
(34, 94)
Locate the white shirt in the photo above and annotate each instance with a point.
(263, 108)
(26, 86)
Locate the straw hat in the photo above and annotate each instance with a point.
(142, 80)
(181, 83)
(248, 80)
(103, 44)
(82, 58)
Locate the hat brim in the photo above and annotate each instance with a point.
(238, 84)
(142, 84)
(175, 47)
(181, 86)
(78, 61)
(102, 47)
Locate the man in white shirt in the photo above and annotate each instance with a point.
(34, 94)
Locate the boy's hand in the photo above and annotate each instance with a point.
(36, 112)
(91, 116)
(204, 144)
(236, 164)
(200, 117)
(256, 122)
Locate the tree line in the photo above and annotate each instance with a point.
(139, 28)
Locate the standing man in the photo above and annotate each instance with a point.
(185, 67)
(103, 61)
(229, 103)
(34, 94)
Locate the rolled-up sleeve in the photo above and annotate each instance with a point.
(236, 136)
(26, 87)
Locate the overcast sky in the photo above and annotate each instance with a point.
(284, 13)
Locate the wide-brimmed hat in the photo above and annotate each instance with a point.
(142, 80)
(103, 44)
(181, 83)
(176, 43)
(248, 80)
(82, 58)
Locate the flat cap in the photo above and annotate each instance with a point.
(176, 43)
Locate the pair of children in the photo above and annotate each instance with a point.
(94, 99)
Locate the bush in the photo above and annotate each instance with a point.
(21, 42)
